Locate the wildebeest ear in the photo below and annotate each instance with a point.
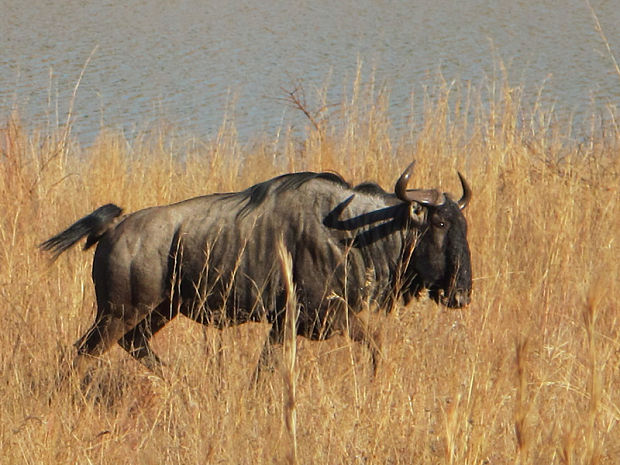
(417, 212)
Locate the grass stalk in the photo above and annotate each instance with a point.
(289, 373)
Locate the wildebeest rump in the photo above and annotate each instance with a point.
(213, 258)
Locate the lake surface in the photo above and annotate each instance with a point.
(192, 62)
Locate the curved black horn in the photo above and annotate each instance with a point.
(422, 196)
(466, 197)
(401, 185)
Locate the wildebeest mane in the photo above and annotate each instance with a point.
(370, 188)
(254, 196)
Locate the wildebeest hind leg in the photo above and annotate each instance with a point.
(136, 340)
(102, 334)
(111, 324)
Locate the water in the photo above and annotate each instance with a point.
(191, 62)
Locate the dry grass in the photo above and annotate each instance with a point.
(529, 373)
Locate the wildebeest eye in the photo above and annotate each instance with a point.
(438, 222)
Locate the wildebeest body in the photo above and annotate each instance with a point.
(213, 258)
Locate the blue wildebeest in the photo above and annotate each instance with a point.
(213, 258)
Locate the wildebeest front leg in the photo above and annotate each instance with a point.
(358, 331)
(265, 360)
(136, 341)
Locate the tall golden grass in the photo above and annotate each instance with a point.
(528, 374)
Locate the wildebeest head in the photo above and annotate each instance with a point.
(440, 261)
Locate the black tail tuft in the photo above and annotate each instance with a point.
(94, 226)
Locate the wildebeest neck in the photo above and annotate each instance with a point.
(369, 227)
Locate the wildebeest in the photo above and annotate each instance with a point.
(213, 258)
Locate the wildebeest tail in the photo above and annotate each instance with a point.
(94, 226)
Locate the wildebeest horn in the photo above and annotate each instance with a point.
(466, 192)
(422, 196)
